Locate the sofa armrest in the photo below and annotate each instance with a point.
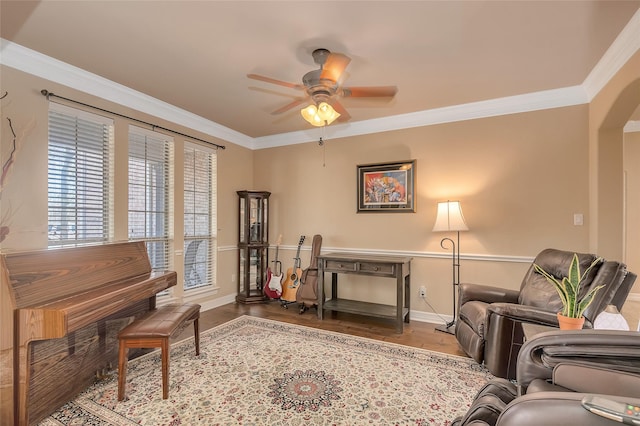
(486, 293)
(613, 349)
(524, 313)
(554, 409)
(591, 379)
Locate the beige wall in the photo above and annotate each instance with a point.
(520, 179)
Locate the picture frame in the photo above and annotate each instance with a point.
(387, 187)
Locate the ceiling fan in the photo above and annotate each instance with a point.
(323, 87)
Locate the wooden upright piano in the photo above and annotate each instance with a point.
(60, 313)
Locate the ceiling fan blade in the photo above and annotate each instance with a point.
(370, 92)
(288, 106)
(344, 115)
(334, 66)
(274, 81)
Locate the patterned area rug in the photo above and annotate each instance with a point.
(253, 371)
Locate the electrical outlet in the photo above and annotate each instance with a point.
(422, 292)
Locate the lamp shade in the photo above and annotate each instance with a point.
(449, 217)
(322, 115)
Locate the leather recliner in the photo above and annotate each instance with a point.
(489, 323)
(555, 371)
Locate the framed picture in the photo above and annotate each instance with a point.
(387, 187)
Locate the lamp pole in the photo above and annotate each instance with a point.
(455, 280)
(449, 218)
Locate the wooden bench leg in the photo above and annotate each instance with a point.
(165, 368)
(196, 334)
(122, 369)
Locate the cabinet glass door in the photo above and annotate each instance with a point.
(253, 245)
(252, 270)
(253, 223)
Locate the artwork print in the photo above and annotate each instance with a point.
(386, 187)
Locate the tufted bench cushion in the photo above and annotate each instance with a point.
(153, 330)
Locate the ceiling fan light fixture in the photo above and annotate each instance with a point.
(324, 85)
(322, 115)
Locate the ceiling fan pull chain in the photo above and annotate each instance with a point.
(324, 154)
(324, 147)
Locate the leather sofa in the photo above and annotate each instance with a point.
(555, 371)
(489, 324)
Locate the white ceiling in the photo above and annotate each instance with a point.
(196, 54)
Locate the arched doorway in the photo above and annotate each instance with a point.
(608, 231)
(631, 167)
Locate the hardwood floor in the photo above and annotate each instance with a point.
(416, 334)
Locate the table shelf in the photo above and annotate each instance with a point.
(363, 308)
(395, 267)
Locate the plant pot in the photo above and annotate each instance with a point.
(567, 323)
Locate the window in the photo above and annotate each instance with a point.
(149, 193)
(79, 188)
(199, 216)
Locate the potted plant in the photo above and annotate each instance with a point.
(568, 289)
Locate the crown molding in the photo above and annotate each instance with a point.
(626, 44)
(555, 98)
(621, 50)
(35, 63)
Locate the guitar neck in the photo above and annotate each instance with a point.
(296, 260)
(275, 261)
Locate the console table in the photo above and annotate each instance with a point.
(397, 267)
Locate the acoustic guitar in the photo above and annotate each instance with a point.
(292, 280)
(273, 287)
(307, 295)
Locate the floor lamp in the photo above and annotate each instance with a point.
(449, 218)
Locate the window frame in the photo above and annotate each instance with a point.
(159, 246)
(196, 255)
(92, 135)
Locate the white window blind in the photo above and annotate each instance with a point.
(149, 193)
(79, 188)
(200, 243)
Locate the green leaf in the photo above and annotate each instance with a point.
(574, 272)
(569, 287)
(586, 300)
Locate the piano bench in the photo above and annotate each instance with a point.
(153, 330)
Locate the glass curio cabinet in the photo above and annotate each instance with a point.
(253, 245)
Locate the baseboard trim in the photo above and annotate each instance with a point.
(217, 302)
(430, 317)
